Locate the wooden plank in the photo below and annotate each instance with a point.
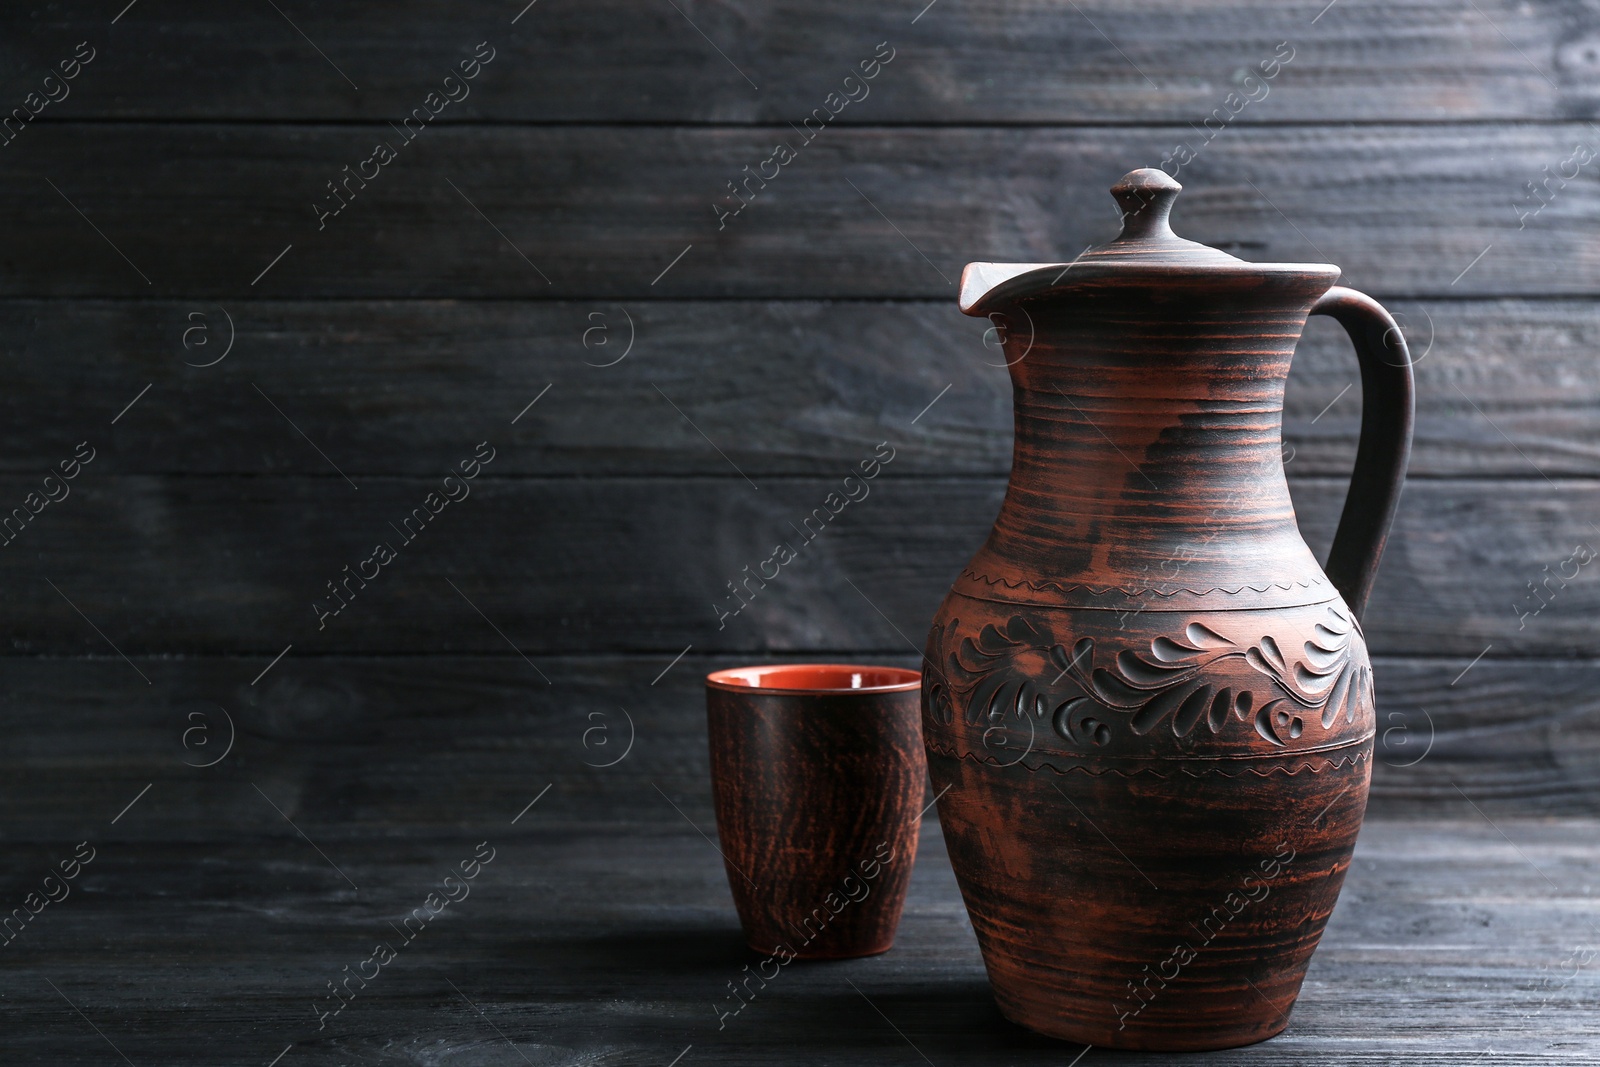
(603, 213)
(1159, 60)
(1506, 735)
(398, 387)
(348, 746)
(793, 387)
(1500, 390)
(618, 948)
(577, 565)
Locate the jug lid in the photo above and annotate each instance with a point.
(1145, 250)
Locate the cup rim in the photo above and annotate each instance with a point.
(737, 679)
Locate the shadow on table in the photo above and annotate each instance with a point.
(678, 984)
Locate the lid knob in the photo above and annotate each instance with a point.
(1146, 197)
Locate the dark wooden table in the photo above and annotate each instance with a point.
(171, 196)
(1457, 941)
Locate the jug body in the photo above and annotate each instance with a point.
(1148, 712)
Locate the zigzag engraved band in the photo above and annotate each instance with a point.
(1314, 765)
(1046, 585)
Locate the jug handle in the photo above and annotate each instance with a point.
(1388, 409)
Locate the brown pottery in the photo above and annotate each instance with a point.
(818, 775)
(1148, 711)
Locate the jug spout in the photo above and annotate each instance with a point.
(979, 279)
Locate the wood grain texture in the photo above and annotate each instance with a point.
(1398, 144)
(574, 565)
(351, 747)
(782, 387)
(969, 63)
(618, 947)
(604, 212)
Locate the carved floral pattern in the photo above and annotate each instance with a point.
(1088, 692)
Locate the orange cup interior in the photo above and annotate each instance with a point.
(817, 678)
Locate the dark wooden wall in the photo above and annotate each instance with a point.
(144, 222)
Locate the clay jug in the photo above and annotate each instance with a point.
(1148, 712)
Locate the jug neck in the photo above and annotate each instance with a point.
(1182, 457)
(1148, 448)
